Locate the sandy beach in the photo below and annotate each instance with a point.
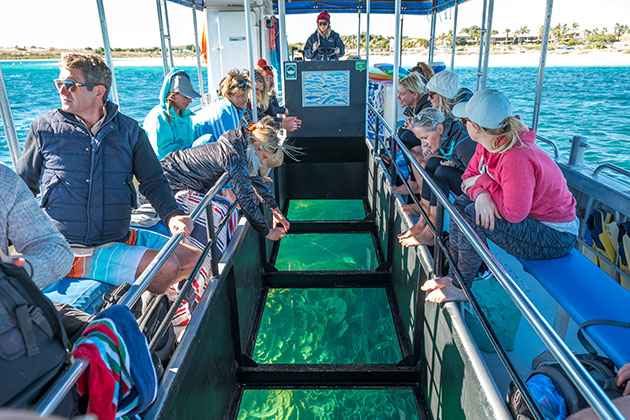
(574, 58)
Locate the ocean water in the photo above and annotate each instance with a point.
(590, 101)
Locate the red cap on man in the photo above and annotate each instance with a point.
(323, 16)
(264, 67)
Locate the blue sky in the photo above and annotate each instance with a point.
(74, 23)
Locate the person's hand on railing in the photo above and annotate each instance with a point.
(469, 183)
(279, 219)
(276, 234)
(486, 212)
(180, 224)
(407, 123)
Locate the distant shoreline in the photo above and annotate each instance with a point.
(529, 58)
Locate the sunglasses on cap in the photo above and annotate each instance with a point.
(322, 23)
(242, 84)
(70, 84)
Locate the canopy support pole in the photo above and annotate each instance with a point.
(213, 54)
(367, 67)
(283, 44)
(250, 56)
(486, 57)
(359, 32)
(168, 34)
(454, 36)
(162, 44)
(198, 54)
(481, 42)
(108, 50)
(396, 64)
(7, 121)
(541, 64)
(432, 34)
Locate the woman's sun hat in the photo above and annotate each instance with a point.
(444, 83)
(180, 83)
(487, 108)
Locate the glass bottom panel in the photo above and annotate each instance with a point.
(326, 251)
(326, 210)
(328, 404)
(343, 325)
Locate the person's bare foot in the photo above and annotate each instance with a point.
(402, 190)
(415, 237)
(442, 290)
(411, 209)
(448, 293)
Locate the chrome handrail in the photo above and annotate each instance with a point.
(556, 151)
(7, 120)
(57, 391)
(593, 394)
(612, 167)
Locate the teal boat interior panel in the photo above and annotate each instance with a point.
(317, 404)
(327, 325)
(326, 210)
(327, 251)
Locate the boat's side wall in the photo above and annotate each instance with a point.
(204, 377)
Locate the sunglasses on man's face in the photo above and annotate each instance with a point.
(70, 84)
(430, 94)
(322, 23)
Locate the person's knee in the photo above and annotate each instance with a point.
(166, 276)
(188, 256)
(417, 153)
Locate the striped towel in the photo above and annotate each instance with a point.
(121, 379)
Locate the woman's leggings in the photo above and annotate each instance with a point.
(447, 179)
(528, 239)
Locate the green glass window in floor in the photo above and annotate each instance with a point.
(327, 325)
(326, 251)
(326, 210)
(329, 404)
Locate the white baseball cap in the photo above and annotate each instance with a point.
(444, 83)
(487, 108)
(180, 83)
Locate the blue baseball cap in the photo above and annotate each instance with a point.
(487, 108)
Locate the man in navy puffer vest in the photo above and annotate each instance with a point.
(82, 159)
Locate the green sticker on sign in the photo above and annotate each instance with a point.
(360, 65)
(290, 71)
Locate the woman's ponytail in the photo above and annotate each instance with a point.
(510, 133)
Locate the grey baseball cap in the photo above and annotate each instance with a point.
(487, 108)
(180, 83)
(444, 83)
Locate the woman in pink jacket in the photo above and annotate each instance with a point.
(514, 194)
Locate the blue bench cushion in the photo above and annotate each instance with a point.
(83, 294)
(586, 293)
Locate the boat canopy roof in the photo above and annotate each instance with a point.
(408, 7)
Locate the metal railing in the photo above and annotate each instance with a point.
(554, 146)
(593, 394)
(55, 394)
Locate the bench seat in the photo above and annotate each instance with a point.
(586, 293)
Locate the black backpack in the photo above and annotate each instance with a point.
(33, 342)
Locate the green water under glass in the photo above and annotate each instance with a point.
(328, 404)
(326, 251)
(327, 325)
(300, 210)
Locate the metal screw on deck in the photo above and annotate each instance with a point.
(578, 147)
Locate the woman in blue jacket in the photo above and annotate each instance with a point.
(324, 43)
(169, 124)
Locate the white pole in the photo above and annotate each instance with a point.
(283, 44)
(486, 56)
(432, 34)
(162, 45)
(481, 36)
(396, 64)
(367, 59)
(168, 34)
(198, 54)
(359, 32)
(454, 36)
(108, 49)
(250, 51)
(541, 65)
(213, 62)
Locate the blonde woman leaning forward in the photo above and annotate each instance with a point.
(515, 195)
